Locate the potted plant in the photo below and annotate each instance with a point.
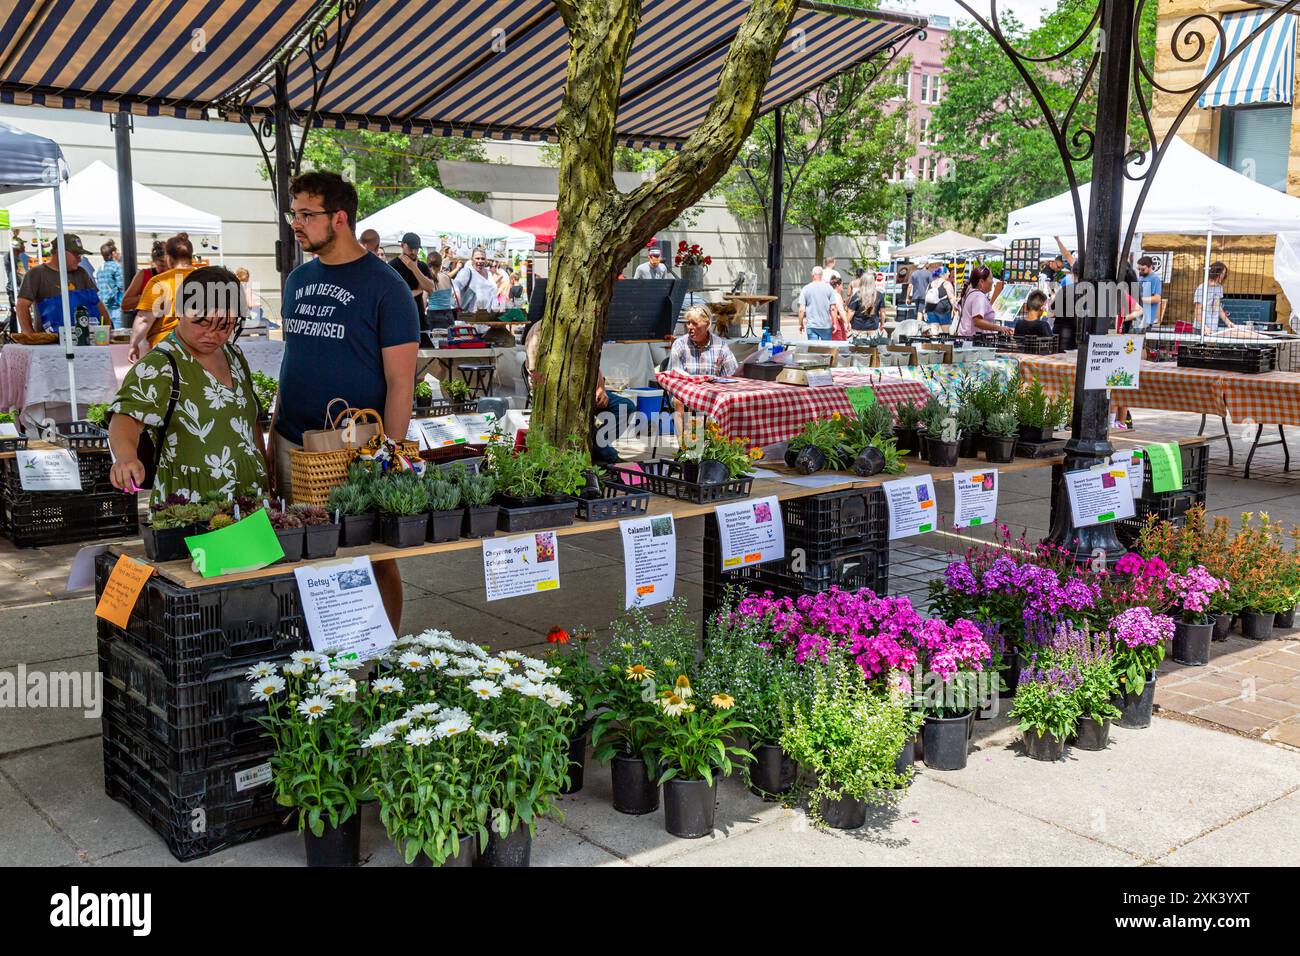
(565, 473)
(265, 388)
(820, 445)
(320, 532)
(907, 426)
(170, 523)
(1039, 414)
(1193, 592)
(1001, 431)
(403, 504)
(690, 745)
(476, 493)
(849, 736)
(969, 422)
(708, 458)
(457, 392)
(423, 395)
(355, 511)
(1098, 686)
(954, 654)
(1046, 705)
(579, 676)
(518, 475)
(692, 260)
(1140, 637)
(941, 436)
(446, 516)
(318, 769)
(289, 529)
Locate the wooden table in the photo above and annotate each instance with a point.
(180, 572)
(749, 301)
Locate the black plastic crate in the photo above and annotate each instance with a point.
(1029, 344)
(58, 517)
(1247, 359)
(189, 726)
(536, 517)
(445, 407)
(851, 571)
(92, 467)
(190, 633)
(615, 502)
(196, 814)
(11, 443)
(81, 435)
(664, 477)
(825, 526)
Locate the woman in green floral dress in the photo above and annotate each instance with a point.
(212, 442)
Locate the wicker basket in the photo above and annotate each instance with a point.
(316, 473)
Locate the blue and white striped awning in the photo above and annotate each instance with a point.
(482, 68)
(1264, 72)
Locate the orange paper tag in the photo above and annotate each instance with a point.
(927, 504)
(756, 556)
(645, 589)
(121, 590)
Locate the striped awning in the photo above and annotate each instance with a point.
(1263, 72)
(479, 68)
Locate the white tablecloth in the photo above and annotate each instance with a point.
(636, 362)
(34, 378)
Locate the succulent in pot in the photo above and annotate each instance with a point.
(320, 531)
(476, 492)
(1001, 431)
(288, 527)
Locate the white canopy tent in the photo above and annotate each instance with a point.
(945, 243)
(90, 198)
(34, 162)
(433, 216)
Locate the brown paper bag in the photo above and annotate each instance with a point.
(351, 428)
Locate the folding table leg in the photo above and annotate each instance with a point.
(1201, 430)
(1259, 430)
(1286, 452)
(1227, 438)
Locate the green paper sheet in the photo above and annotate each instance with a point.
(1166, 463)
(861, 397)
(247, 545)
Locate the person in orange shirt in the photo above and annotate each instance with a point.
(156, 314)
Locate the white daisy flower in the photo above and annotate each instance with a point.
(387, 685)
(477, 652)
(346, 691)
(295, 670)
(420, 737)
(555, 696)
(515, 682)
(330, 678)
(496, 737)
(267, 687)
(422, 710)
(511, 656)
(305, 658)
(452, 727)
(395, 725)
(484, 689)
(495, 668)
(461, 672)
(314, 707)
(533, 664)
(412, 661)
(536, 676)
(259, 670)
(438, 660)
(468, 662)
(455, 713)
(532, 690)
(380, 738)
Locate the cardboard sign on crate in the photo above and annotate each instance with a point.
(122, 589)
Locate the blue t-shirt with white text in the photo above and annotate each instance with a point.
(337, 321)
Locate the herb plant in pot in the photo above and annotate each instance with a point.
(1092, 656)
(1140, 638)
(956, 654)
(1192, 592)
(518, 476)
(941, 436)
(356, 513)
(1040, 414)
(1001, 431)
(318, 769)
(477, 492)
(320, 531)
(289, 529)
(820, 445)
(564, 473)
(457, 392)
(969, 423)
(1046, 704)
(849, 735)
(907, 427)
(445, 513)
(423, 395)
(690, 741)
(403, 504)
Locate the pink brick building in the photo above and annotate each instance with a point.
(926, 87)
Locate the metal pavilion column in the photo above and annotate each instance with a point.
(775, 247)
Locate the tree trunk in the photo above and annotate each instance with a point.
(819, 248)
(599, 229)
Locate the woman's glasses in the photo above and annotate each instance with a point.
(214, 324)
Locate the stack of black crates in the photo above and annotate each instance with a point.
(181, 746)
(839, 539)
(33, 518)
(1167, 505)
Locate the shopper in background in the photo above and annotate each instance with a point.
(977, 310)
(815, 307)
(131, 298)
(939, 297)
(156, 312)
(1209, 301)
(440, 312)
(839, 312)
(40, 297)
(1031, 321)
(864, 302)
(473, 285)
(370, 239)
(1150, 290)
(110, 282)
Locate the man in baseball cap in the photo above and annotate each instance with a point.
(653, 267)
(415, 273)
(40, 299)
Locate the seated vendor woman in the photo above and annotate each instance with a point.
(1031, 321)
(699, 352)
(208, 440)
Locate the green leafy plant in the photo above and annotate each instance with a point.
(907, 415)
(707, 443)
(476, 491)
(181, 515)
(934, 414)
(1046, 701)
(875, 420)
(313, 717)
(350, 500)
(265, 388)
(1036, 409)
(761, 683)
(401, 495)
(1098, 682)
(690, 740)
(969, 418)
(455, 390)
(518, 475)
(424, 390)
(563, 469)
(95, 414)
(828, 436)
(442, 495)
(6, 418)
(888, 446)
(1002, 425)
(850, 736)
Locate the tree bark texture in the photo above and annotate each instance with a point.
(599, 228)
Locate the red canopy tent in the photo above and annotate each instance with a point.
(542, 226)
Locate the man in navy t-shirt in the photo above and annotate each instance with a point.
(350, 331)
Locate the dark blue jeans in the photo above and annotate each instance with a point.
(612, 422)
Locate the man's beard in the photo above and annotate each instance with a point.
(323, 244)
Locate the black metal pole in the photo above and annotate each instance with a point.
(907, 224)
(775, 248)
(121, 123)
(1097, 301)
(286, 247)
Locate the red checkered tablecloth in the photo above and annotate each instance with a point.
(1272, 398)
(765, 413)
(1164, 385)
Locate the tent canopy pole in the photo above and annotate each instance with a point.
(1205, 294)
(121, 124)
(63, 295)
